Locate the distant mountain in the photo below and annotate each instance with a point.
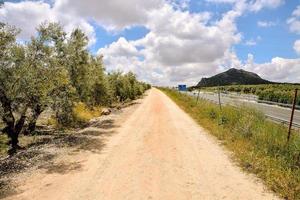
(233, 77)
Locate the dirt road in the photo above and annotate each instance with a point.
(159, 152)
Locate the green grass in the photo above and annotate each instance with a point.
(258, 145)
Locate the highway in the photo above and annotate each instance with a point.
(274, 112)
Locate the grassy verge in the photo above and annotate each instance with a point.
(258, 145)
(83, 113)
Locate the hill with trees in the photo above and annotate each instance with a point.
(232, 77)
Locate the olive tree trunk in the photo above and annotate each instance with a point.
(13, 127)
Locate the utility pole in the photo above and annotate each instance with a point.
(292, 115)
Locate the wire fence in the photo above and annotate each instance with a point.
(277, 112)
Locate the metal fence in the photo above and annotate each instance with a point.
(277, 112)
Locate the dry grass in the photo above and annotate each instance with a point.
(83, 113)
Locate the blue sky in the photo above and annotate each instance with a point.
(167, 42)
(274, 41)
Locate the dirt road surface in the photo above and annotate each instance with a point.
(159, 152)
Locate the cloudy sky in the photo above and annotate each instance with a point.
(167, 42)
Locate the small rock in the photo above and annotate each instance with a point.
(106, 111)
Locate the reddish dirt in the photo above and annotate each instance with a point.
(158, 152)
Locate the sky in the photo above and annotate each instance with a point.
(170, 42)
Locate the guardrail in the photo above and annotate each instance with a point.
(252, 98)
(282, 121)
(273, 118)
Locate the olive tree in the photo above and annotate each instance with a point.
(53, 70)
(11, 60)
(28, 75)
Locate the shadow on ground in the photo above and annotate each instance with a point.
(62, 168)
(47, 145)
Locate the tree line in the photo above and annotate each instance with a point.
(280, 93)
(54, 70)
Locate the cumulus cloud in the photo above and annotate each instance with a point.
(222, 1)
(120, 48)
(112, 14)
(183, 47)
(297, 46)
(253, 5)
(180, 47)
(27, 15)
(259, 4)
(279, 69)
(18, 14)
(294, 21)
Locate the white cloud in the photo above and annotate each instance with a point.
(181, 47)
(265, 24)
(222, 1)
(253, 5)
(297, 46)
(179, 4)
(112, 14)
(120, 48)
(294, 21)
(259, 4)
(279, 69)
(27, 15)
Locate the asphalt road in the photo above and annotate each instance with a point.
(273, 111)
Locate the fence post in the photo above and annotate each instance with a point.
(219, 96)
(292, 115)
(198, 96)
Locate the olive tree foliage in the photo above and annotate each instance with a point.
(126, 86)
(86, 71)
(28, 74)
(10, 61)
(54, 70)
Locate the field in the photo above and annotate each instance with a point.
(280, 93)
(259, 146)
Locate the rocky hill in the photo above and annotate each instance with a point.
(233, 77)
